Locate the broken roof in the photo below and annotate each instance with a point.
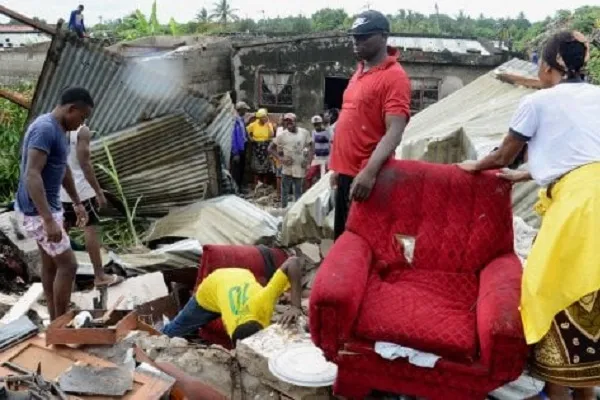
(125, 93)
(469, 123)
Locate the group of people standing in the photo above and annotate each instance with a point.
(290, 153)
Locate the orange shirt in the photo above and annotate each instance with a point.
(370, 96)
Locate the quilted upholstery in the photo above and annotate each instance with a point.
(432, 311)
(456, 295)
(460, 222)
(230, 256)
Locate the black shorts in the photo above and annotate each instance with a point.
(90, 206)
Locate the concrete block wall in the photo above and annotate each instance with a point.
(21, 65)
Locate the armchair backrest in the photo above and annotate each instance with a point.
(216, 256)
(459, 221)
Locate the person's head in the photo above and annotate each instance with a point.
(80, 8)
(370, 31)
(74, 108)
(564, 56)
(241, 108)
(262, 115)
(317, 122)
(245, 330)
(289, 122)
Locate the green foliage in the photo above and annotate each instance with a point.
(223, 13)
(328, 19)
(12, 123)
(111, 172)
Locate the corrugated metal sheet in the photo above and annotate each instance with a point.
(221, 127)
(437, 45)
(224, 220)
(168, 162)
(125, 93)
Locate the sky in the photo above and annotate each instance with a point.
(185, 10)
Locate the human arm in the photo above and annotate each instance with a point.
(523, 127)
(293, 268)
(309, 145)
(365, 180)
(71, 190)
(72, 20)
(396, 109)
(85, 160)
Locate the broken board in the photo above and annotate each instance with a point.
(56, 360)
(16, 332)
(97, 381)
(23, 304)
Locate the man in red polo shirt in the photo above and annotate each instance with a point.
(375, 111)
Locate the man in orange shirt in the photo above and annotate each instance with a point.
(375, 111)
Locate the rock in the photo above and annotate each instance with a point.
(178, 342)
(254, 352)
(325, 246)
(310, 251)
(26, 249)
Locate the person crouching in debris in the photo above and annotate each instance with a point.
(234, 295)
(294, 145)
(92, 197)
(261, 132)
(44, 169)
(76, 22)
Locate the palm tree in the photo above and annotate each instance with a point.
(223, 13)
(202, 16)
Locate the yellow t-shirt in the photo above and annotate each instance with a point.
(260, 133)
(239, 298)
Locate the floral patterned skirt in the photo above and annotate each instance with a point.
(569, 355)
(261, 162)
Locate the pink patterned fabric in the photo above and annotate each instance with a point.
(456, 295)
(34, 227)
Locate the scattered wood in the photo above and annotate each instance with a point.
(16, 98)
(56, 360)
(17, 331)
(120, 324)
(24, 304)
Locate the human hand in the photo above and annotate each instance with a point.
(514, 176)
(469, 166)
(287, 161)
(53, 231)
(81, 213)
(304, 164)
(236, 158)
(101, 200)
(291, 315)
(362, 185)
(333, 179)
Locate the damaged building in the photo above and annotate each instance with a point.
(307, 74)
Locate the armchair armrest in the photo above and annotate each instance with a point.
(338, 291)
(499, 326)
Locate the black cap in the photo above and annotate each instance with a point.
(369, 22)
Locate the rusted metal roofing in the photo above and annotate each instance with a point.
(221, 127)
(167, 162)
(125, 93)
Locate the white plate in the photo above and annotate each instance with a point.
(303, 365)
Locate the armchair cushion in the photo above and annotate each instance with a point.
(428, 310)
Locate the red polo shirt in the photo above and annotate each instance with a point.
(370, 96)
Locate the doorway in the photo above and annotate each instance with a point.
(334, 92)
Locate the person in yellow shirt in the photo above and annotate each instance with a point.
(261, 131)
(244, 305)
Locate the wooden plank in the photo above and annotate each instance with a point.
(24, 304)
(42, 27)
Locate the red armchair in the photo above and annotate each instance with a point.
(456, 296)
(225, 256)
